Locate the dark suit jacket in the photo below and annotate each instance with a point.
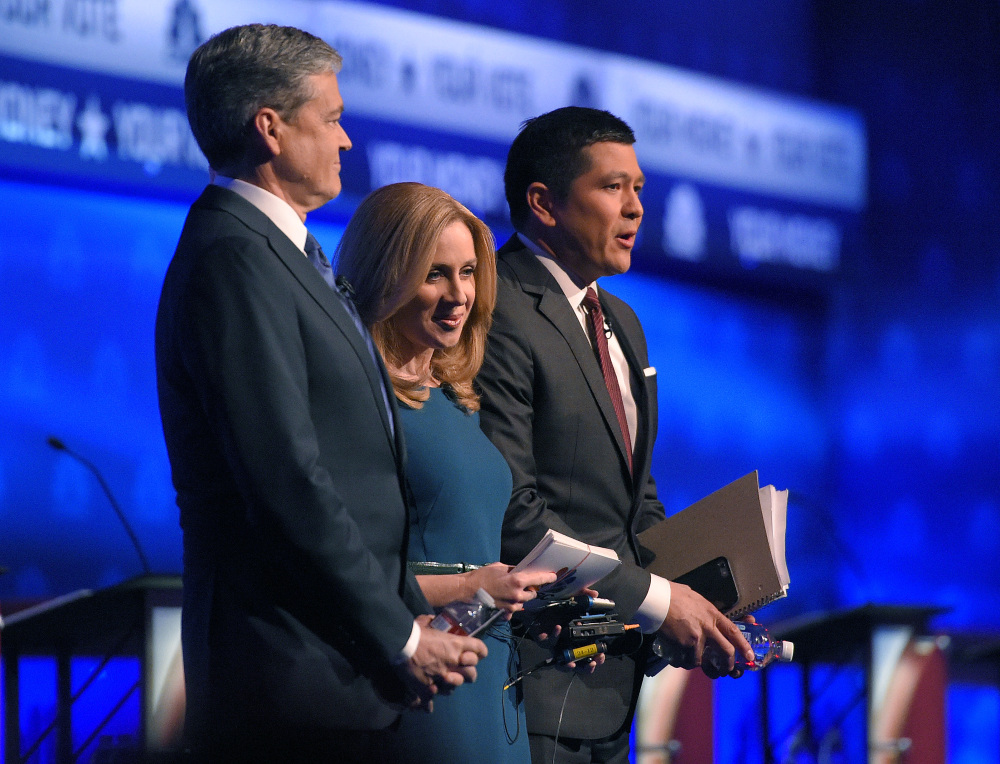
(546, 407)
(290, 487)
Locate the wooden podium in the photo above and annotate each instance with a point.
(905, 675)
(138, 618)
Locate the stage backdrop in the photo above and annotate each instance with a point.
(820, 304)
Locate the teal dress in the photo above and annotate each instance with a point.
(461, 486)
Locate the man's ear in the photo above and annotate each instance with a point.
(541, 203)
(268, 126)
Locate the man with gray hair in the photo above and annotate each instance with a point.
(303, 632)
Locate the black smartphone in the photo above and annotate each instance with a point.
(714, 581)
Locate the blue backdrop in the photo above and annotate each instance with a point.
(875, 398)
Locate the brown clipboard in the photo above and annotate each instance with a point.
(728, 524)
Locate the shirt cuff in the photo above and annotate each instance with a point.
(654, 608)
(410, 648)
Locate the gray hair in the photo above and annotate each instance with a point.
(241, 70)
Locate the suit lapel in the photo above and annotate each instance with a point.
(332, 305)
(553, 304)
(309, 279)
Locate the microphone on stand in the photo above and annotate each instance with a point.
(58, 445)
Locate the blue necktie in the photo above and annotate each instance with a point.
(315, 254)
(342, 288)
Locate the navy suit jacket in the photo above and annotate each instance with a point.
(290, 485)
(546, 407)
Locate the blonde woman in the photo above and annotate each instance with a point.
(423, 271)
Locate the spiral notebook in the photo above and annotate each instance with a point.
(729, 546)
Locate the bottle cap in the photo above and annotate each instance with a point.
(787, 649)
(484, 596)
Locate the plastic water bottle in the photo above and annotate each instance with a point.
(765, 649)
(465, 618)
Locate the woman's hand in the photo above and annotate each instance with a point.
(509, 590)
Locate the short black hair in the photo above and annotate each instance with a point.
(549, 150)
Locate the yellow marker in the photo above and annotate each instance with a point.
(579, 653)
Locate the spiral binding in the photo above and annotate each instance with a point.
(755, 605)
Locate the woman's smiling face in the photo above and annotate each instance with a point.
(435, 316)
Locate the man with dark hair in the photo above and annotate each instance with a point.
(570, 400)
(302, 629)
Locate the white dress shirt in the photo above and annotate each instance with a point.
(277, 210)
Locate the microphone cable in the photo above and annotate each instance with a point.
(58, 445)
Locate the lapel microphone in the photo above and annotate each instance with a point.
(345, 286)
(607, 324)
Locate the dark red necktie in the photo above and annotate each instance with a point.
(600, 339)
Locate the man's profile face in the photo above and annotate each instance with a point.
(597, 223)
(308, 166)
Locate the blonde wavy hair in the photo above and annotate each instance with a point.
(386, 253)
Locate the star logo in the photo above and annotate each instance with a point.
(684, 228)
(93, 126)
(584, 92)
(184, 34)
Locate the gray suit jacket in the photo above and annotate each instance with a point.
(291, 489)
(546, 407)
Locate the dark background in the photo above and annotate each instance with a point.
(875, 399)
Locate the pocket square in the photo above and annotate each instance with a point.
(649, 371)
